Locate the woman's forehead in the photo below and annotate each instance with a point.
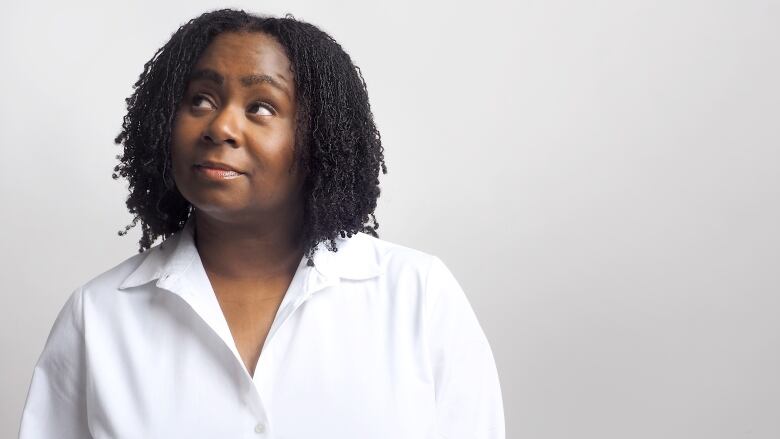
(234, 56)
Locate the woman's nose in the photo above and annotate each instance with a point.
(223, 128)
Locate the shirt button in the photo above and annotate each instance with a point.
(259, 428)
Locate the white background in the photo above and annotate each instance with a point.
(602, 177)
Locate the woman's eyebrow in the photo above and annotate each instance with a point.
(246, 81)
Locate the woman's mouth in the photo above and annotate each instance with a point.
(215, 173)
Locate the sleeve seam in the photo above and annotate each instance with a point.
(429, 301)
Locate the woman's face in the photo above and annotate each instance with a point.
(239, 110)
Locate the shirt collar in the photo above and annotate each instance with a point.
(172, 258)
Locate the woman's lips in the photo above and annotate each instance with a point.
(215, 173)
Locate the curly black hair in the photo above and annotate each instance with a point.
(337, 144)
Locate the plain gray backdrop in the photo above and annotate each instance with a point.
(602, 177)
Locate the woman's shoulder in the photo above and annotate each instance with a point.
(117, 276)
(393, 257)
(390, 254)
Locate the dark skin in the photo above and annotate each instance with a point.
(245, 226)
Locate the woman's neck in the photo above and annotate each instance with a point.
(244, 252)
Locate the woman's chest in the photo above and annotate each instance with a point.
(249, 323)
(326, 372)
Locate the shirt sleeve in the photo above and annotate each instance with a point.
(468, 394)
(56, 402)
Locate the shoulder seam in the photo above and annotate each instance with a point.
(80, 310)
(429, 303)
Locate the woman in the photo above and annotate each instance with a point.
(270, 309)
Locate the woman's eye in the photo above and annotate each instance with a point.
(269, 110)
(198, 98)
(201, 101)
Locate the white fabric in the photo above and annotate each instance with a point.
(377, 341)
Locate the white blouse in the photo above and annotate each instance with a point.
(377, 341)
